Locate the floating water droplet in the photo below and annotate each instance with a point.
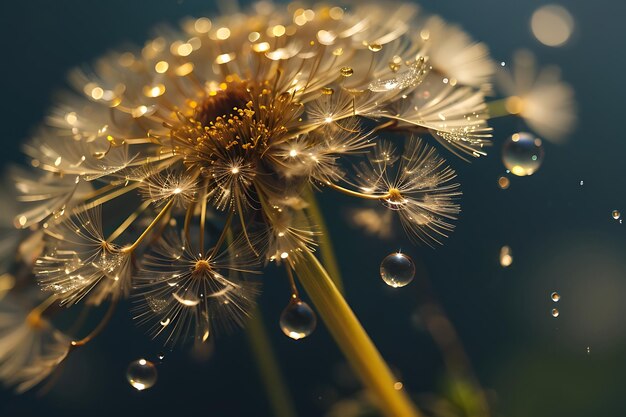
(141, 374)
(616, 214)
(506, 256)
(555, 296)
(522, 154)
(298, 320)
(504, 183)
(397, 270)
(555, 312)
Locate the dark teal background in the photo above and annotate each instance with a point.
(561, 234)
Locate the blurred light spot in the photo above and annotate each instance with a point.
(506, 256)
(552, 25)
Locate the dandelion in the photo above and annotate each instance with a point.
(31, 347)
(220, 127)
(540, 97)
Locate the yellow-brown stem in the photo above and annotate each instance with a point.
(98, 329)
(352, 338)
(145, 233)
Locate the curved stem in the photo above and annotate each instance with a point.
(98, 329)
(225, 231)
(129, 220)
(358, 194)
(156, 220)
(352, 338)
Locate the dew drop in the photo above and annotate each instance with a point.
(616, 214)
(298, 320)
(141, 374)
(555, 312)
(504, 183)
(555, 296)
(397, 270)
(374, 47)
(346, 71)
(522, 154)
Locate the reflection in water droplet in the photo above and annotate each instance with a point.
(616, 214)
(555, 296)
(141, 374)
(506, 256)
(397, 270)
(298, 320)
(555, 312)
(186, 300)
(522, 154)
(346, 71)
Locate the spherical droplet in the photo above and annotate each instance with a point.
(555, 296)
(374, 47)
(504, 183)
(616, 214)
(397, 270)
(141, 374)
(298, 320)
(522, 154)
(346, 71)
(555, 312)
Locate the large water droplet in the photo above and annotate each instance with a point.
(298, 320)
(616, 214)
(555, 312)
(522, 154)
(555, 296)
(397, 270)
(141, 374)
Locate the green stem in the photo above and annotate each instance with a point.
(269, 369)
(352, 338)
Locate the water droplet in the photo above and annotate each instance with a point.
(555, 296)
(161, 356)
(397, 270)
(374, 47)
(141, 374)
(346, 71)
(582, 182)
(522, 154)
(298, 320)
(555, 312)
(506, 256)
(327, 91)
(616, 214)
(588, 350)
(504, 183)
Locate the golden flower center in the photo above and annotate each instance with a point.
(223, 102)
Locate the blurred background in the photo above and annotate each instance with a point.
(557, 223)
